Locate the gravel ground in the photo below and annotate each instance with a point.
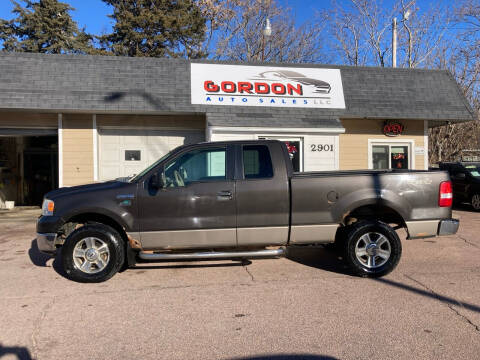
(303, 307)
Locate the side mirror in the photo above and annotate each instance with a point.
(157, 181)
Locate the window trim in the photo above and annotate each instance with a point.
(228, 159)
(242, 165)
(393, 142)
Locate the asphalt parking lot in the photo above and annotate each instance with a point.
(304, 307)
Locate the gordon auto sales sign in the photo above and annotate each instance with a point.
(238, 85)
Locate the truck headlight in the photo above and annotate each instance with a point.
(47, 207)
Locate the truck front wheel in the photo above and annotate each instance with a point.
(372, 248)
(93, 253)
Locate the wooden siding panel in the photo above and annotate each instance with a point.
(354, 142)
(77, 149)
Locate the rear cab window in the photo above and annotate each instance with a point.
(257, 162)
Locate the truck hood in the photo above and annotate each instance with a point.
(74, 190)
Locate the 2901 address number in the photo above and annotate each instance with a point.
(321, 147)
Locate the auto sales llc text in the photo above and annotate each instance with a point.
(267, 101)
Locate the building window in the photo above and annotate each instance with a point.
(390, 156)
(132, 155)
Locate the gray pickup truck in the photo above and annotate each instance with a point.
(240, 200)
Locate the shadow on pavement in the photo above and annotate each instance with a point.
(288, 357)
(20, 352)
(430, 294)
(324, 259)
(319, 257)
(463, 207)
(40, 259)
(36, 256)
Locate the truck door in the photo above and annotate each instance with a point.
(196, 206)
(262, 190)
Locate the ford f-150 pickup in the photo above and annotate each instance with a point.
(241, 199)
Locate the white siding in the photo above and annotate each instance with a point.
(314, 158)
(320, 152)
(232, 137)
(153, 144)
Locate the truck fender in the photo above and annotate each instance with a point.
(356, 199)
(126, 221)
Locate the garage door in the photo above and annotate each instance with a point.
(123, 152)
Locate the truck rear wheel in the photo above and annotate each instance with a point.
(475, 201)
(372, 248)
(93, 253)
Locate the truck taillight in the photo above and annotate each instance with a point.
(445, 196)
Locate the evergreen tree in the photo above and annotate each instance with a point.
(44, 26)
(157, 28)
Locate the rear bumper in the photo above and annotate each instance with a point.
(46, 242)
(431, 228)
(448, 227)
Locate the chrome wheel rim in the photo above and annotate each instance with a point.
(91, 255)
(373, 250)
(476, 201)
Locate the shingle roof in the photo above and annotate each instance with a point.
(151, 85)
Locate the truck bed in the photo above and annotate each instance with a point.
(328, 196)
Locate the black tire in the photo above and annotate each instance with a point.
(338, 246)
(475, 201)
(104, 234)
(360, 264)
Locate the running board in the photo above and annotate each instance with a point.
(212, 255)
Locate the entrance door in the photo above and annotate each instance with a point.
(197, 206)
(390, 156)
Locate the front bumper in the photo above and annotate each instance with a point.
(448, 227)
(46, 242)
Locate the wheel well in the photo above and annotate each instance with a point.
(82, 219)
(374, 212)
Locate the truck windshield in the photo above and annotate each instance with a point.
(474, 170)
(139, 175)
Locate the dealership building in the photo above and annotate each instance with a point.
(73, 119)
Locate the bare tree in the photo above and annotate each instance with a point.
(236, 27)
(462, 59)
(361, 30)
(426, 38)
(345, 27)
(422, 33)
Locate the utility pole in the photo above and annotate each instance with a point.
(394, 42)
(410, 63)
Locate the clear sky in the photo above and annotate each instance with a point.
(92, 14)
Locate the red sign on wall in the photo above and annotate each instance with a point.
(392, 128)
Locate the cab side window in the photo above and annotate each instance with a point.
(257, 163)
(197, 165)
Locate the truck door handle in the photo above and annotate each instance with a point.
(224, 195)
